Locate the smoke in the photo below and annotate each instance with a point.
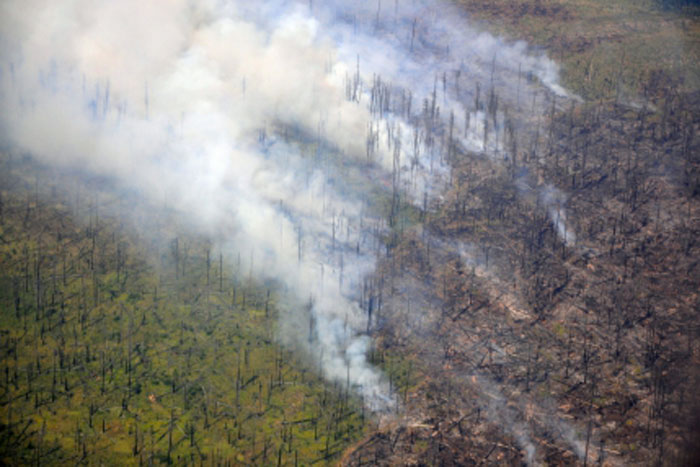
(554, 200)
(498, 410)
(540, 409)
(241, 117)
(510, 415)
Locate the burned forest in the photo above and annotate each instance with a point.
(410, 232)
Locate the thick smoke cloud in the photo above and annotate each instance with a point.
(212, 106)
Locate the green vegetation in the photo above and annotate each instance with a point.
(118, 352)
(607, 50)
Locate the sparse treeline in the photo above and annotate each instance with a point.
(601, 324)
(578, 285)
(112, 353)
(579, 288)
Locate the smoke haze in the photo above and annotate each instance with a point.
(236, 115)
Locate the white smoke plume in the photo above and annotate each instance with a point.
(498, 410)
(212, 105)
(543, 411)
(554, 201)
